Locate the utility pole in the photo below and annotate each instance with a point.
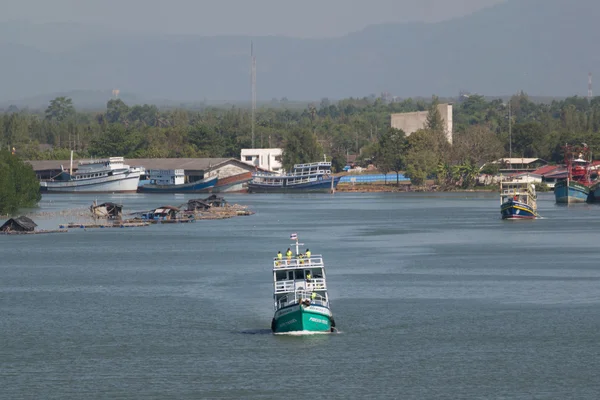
(253, 66)
(509, 131)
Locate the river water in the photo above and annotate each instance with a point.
(435, 297)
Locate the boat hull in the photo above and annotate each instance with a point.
(201, 186)
(594, 196)
(517, 210)
(323, 186)
(573, 193)
(300, 318)
(233, 184)
(121, 183)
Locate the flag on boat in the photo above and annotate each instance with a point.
(293, 236)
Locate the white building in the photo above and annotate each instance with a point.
(268, 159)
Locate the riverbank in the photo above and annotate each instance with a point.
(402, 187)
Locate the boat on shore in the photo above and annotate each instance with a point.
(575, 188)
(518, 200)
(110, 175)
(300, 296)
(176, 181)
(313, 177)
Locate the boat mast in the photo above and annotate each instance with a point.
(71, 167)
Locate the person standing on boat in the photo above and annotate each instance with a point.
(279, 258)
(307, 254)
(288, 254)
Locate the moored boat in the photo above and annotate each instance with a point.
(575, 188)
(518, 200)
(300, 296)
(110, 175)
(313, 177)
(176, 181)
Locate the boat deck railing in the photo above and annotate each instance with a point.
(302, 297)
(295, 262)
(289, 286)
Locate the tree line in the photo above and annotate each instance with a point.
(354, 126)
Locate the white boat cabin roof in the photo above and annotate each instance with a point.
(110, 160)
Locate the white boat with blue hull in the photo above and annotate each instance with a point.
(110, 175)
(300, 296)
(313, 177)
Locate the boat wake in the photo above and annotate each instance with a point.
(256, 332)
(305, 333)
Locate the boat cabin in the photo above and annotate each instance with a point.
(298, 280)
(173, 176)
(520, 191)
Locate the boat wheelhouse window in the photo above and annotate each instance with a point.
(299, 274)
(248, 158)
(281, 275)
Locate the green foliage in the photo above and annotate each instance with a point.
(301, 146)
(19, 186)
(60, 109)
(423, 155)
(389, 154)
(353, 126)
(434, 118)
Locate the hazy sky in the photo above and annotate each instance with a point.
(300, 18)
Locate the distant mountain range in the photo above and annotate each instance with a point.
(544, 47)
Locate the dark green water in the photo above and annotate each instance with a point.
(434, 295)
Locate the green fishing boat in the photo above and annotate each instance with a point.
(300, 294)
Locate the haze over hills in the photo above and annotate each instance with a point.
(544, 47)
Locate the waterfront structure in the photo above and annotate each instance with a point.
(232, 174)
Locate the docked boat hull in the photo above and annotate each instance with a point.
(121, 183)
(323, 186)
(594, 196)
(233, 184)
(201, 186)
(300, 318)
(573, 193)
(517, 210)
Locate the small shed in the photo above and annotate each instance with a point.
(107, 210)
(166, 212)
(204, 204)
(18, 224)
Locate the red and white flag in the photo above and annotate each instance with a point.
(293, 236)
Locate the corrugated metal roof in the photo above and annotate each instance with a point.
(149, 163)
(518, 160)
(546, 169)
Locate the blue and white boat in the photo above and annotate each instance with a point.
(176, 181)
(576, 187)
(313, 177)
(518, 200)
